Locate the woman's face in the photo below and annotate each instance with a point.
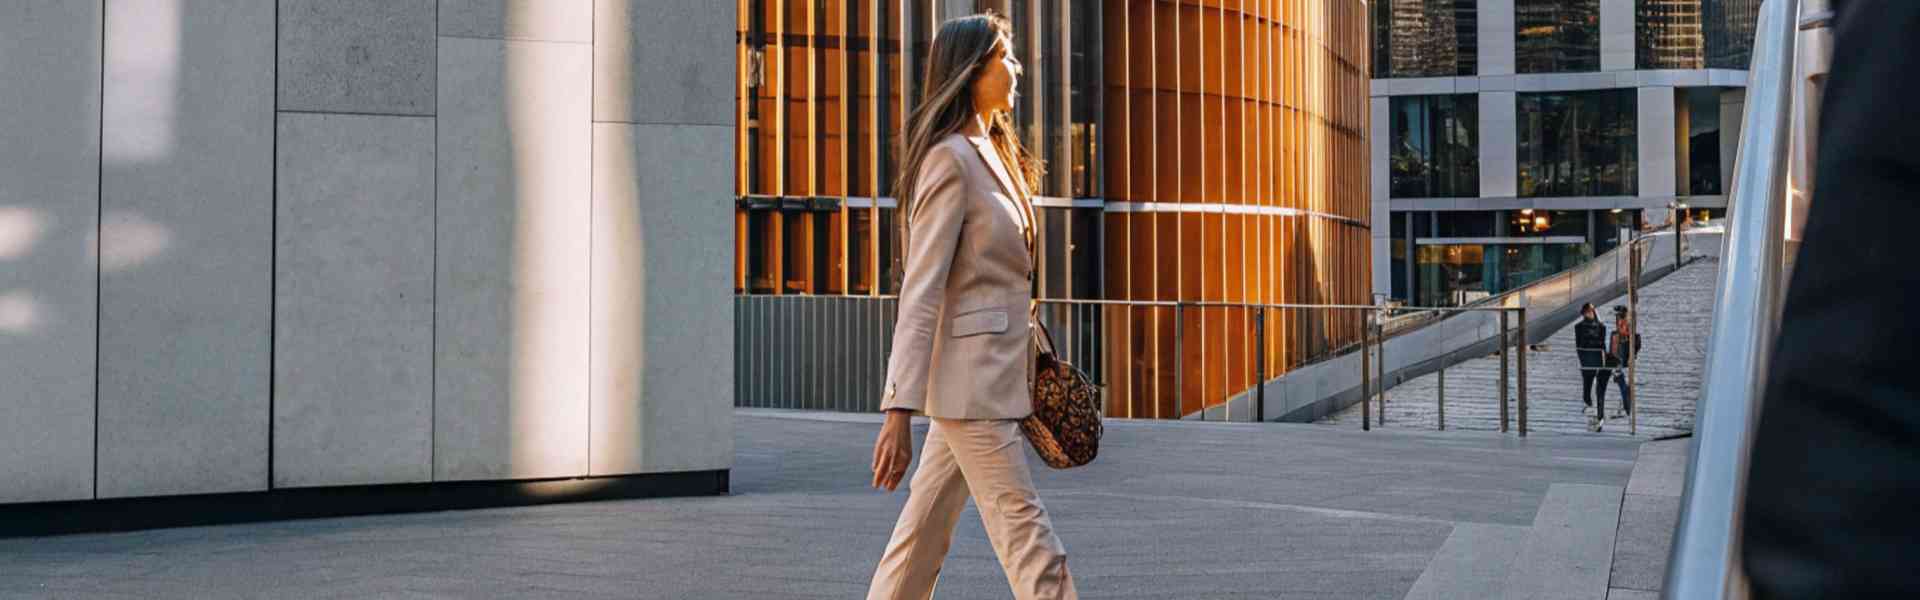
(996, 88)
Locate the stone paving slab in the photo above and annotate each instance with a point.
(1170, 510)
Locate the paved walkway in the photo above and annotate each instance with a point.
(1676, 315)
(1170, 510)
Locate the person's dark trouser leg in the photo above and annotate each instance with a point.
(1587, 375)
(1626, 394)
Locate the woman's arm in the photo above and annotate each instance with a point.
(933, 227)
(935, 219)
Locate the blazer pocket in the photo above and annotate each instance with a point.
(979, 322)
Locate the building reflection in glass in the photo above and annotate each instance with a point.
(1556, 36)
(1435, 151)
(1578, 143)
(1425, 38)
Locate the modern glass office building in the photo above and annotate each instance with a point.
(1197, 151)
(1521, 136)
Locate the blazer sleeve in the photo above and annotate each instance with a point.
(933, 236)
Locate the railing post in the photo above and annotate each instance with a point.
(1179, 366)
(1441, 403)
(1259, 364)
(1380, 362)
(1504, 337)
(1366, 389)
(1520, 362)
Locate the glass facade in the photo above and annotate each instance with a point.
(1456, 274)
(1578, 143)
(1424, 38)
(1436, 147)
(820, 98)
(1556, 36)
(1694, 34)
(1195, 151)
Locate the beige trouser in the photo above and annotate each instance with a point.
(988, 459)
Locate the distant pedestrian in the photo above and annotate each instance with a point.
(1590, 344)
(1621, 347)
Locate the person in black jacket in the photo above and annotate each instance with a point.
(1835, 474)
(1590, 343)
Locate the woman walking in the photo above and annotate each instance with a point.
(962, 354)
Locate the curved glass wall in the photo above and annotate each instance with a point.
(1436, 145)
(1556, 36)
(1578, 143)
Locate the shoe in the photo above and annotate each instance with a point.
(1593, 424)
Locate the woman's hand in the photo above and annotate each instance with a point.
(893, 450)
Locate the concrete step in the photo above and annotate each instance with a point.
(1568, 553)
(1648, 516)
(1472, 563)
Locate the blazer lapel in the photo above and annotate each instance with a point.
(1023, 205)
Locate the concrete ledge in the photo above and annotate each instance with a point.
(127, 514)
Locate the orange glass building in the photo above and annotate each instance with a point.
(1212, 153)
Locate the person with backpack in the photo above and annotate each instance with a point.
(1621, 347)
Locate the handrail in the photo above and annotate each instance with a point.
(1705, 559)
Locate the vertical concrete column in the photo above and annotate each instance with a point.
(1656, 148)
(513, 228)
(1379, 170)
(1617, 22)
(49, 218)
(1496, 35)
(186, 247)
(663, 238)
(1499, 145)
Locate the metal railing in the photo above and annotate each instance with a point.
(1704, 561)
(1153, 359)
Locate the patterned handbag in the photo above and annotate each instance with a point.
(1065, 425)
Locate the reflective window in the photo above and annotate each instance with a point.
(1694, 34)
(1424, 38)
(1729, 28)
(1545, 223)
(1435, 151)
(1556, 36)
(1700, 118)
(1463, 223)
(1577, 143)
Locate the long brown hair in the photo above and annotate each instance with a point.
(954, 62)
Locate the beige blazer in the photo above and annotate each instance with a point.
(961, 346)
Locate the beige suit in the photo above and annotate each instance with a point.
(961, 343)
(961, 355)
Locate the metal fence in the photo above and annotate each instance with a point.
(1152, 359)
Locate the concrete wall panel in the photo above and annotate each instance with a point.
(1617, 35)
(1657, 144)
(1496, 35)
(1499, 149)
(547, 20)
(662, 345)
(356, 56)
(186, 247)
(49, 214)
(512, 248)
(664, 61)
(353, 300)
